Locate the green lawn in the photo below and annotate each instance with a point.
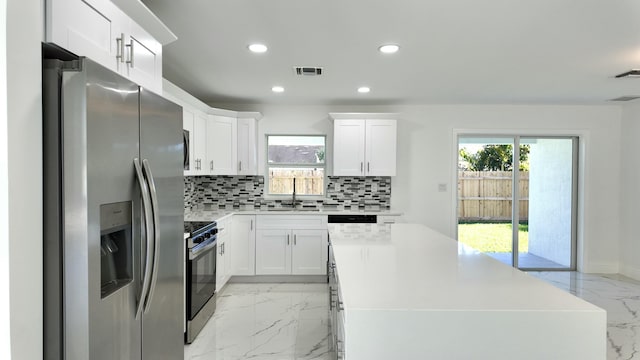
(496, 237)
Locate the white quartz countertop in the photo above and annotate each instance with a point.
(411, 267)
(217, 215)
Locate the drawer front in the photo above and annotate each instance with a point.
(388, 219)
(294, 222)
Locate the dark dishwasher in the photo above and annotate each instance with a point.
(352, 219)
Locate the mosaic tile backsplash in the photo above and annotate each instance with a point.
(247, 192)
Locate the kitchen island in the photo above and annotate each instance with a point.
(404, 291)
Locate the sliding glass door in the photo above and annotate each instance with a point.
(516, 199)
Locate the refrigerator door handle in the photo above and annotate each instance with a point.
(156, 230)
(146, 202)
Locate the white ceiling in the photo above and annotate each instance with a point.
(464, 51)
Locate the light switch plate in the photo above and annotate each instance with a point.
(442, 187)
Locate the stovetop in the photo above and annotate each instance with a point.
(192, 227)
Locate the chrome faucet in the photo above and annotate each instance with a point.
(293, 200)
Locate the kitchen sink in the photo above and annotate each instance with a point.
(294, 209)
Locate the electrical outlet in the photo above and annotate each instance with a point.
(442, 187)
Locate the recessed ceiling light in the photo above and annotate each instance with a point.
(389, 49)
(258, 48)
(363, 90)
(277, 89)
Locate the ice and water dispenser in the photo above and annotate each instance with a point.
(116, 267)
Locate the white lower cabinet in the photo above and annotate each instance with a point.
(291, 252)
(223, 264)
(309, 252)
(242, 248)
(336, 310)
(273, 252)
(298, 249)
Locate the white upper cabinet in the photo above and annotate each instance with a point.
(247, 146)
(364, 147)
(222, 142)
(143, 58)
(88, 28)
(99, 30)
(222, 148)
(380, 147)
(201, 166)
(348, 148)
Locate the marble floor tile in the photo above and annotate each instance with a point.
(618, 295)
(290, 321)
(266, 322)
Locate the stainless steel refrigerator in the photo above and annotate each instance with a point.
(113, 217)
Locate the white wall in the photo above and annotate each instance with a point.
(23, 164)
(550, 199)
(5, 311)
(426, 158)
(630, 191)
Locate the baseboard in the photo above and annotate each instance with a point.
(279, 279)
(630, 271)
(601, 268)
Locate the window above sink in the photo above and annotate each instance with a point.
(299, 157)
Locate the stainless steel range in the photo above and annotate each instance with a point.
(200, 284)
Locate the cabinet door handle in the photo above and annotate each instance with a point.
(368, 169)
(287, 239)
(239, 165)
(295, 238)
(130, 46)
(361, 166)
(211, 165)
(120, 48)
(251, 228)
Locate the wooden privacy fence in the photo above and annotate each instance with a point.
(486, 195)
(307, 181)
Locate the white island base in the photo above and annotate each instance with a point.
(407, 292)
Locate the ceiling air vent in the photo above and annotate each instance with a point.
(626, 98)
(308, 70)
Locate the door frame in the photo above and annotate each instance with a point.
(579, 249)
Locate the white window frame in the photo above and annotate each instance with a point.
(270, 196)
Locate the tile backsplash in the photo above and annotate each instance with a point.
(247, 192)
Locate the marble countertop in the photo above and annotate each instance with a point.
(220, 214)
(411, 267)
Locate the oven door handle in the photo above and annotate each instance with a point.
(149, 236)
(204, 250)
(156, 231)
